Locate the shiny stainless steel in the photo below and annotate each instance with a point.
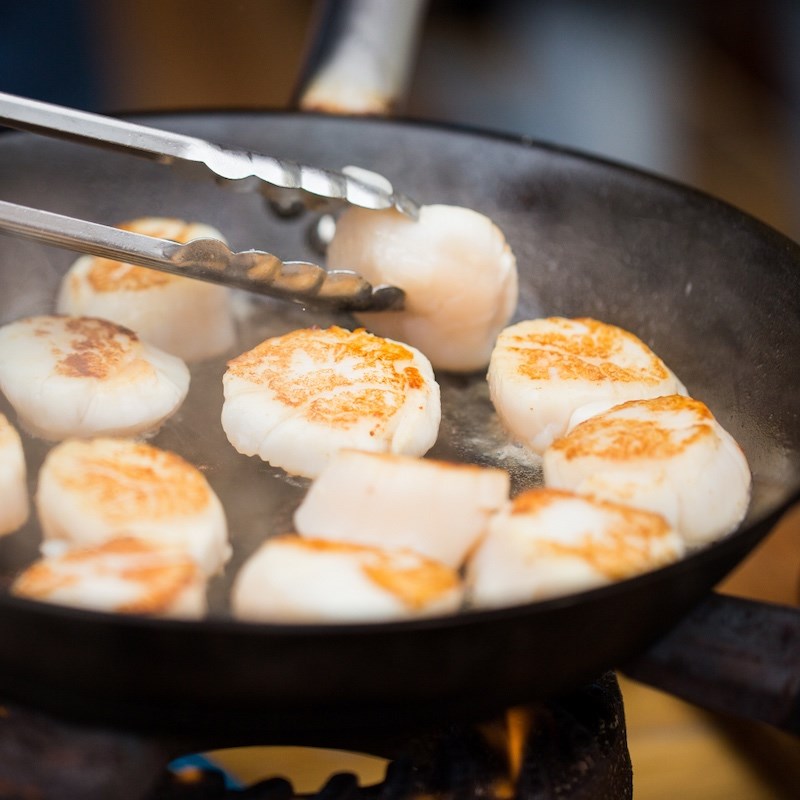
(281, 180)
(205, 259)
(362, 57)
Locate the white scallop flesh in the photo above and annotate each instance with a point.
(291, 579)
(549, 543)
(456, 268)
(14, 505)
(298, 399)
(433, 507)
(125, 575)
(668, 455)
(81, 376)
(547, 374)
(93, 491)
(189, 318)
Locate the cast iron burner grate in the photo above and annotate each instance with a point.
(572, 748)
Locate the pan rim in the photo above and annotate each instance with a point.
(755, 529)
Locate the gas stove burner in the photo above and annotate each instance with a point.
(572, 748)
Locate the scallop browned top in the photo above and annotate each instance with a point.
(580, 349)
(122, 479)
(333, 376)
(412, 578)
(87, 347)
(661, 428)
(618, 540)
(155, 576)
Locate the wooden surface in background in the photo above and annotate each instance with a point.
(681, 751)
(201, 54)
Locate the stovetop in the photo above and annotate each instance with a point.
(571, 748)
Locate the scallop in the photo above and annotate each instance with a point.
(80, 376)
(296, 400)
(189, 318)
(549, 543)
(433, 507)
(125, 575)
(546, 375)
(14, 505)
(668, 455)
(290, 579)
(456, 268)
(93, 491)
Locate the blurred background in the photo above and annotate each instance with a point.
(703, 92)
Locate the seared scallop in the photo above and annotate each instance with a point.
(549, 543)
(436, 508)
(80, 376)
(668, 455)
(189, 318)
(93, 491)
(456, 268)
(296, 400)
(14, 506)
(290, 579)
(546, 375)
(125, 575)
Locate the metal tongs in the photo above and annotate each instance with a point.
(284, 182)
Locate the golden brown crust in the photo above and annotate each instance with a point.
(416, 582)
(622, 548)
(533, 501)
(124, 479)
(160, 576)
(415, 586)
(591, 355)
(96, 348)
(618, 438)
(346, 376)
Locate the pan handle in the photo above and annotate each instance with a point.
(730, 655)
(360, 57)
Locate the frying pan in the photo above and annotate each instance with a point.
(713, 291)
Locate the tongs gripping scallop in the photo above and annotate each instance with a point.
(285, 182)
(278, 179)
(205, 259)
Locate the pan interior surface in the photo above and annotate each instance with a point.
(712, 291)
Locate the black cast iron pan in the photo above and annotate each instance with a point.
(713, 291)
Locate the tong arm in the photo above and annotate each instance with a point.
(205, 259)
(278, 179)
